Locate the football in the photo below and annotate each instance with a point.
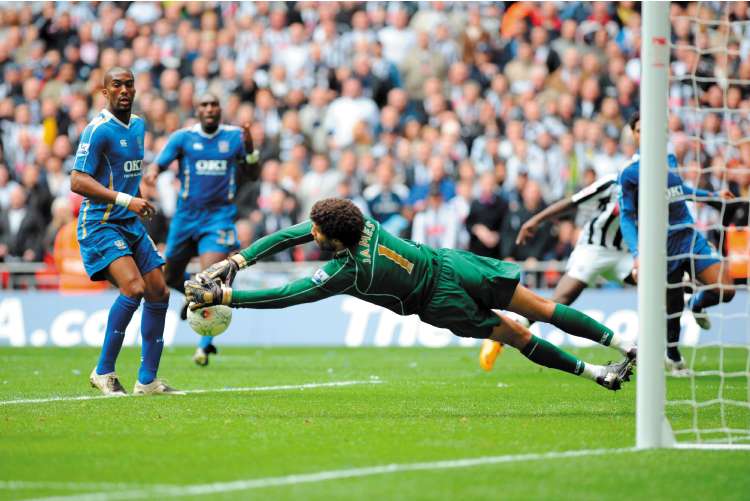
(211, 320)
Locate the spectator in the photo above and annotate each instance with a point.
(539, 245)
(62, 214)
(421, 63)
(397, 38)
(485, 219)
(274, 217)
(437, 225)
(6, 186)
(21, 230)
(386, 198)
(38, 197)
(319, 183)
(344, 112)
(437, 177)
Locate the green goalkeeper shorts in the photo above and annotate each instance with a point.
(468, 287)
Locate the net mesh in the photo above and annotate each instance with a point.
(709, 131)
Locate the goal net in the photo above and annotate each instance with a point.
(709, 134)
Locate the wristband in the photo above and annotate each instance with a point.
(253, 157)
(239, 260)
(226, 295)
(123, 199)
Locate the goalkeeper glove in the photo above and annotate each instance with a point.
(200, 294)
(223, 271)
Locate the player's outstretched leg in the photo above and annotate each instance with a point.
(536, 308)
(544, 353)
(205, 345)
(175, 276)
(124, 274)
(674, 363)
(204, 349)
(152, 333)
(722, 291)
(104, 376)
(567, 290)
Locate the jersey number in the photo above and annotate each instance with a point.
(226, 237)
(396, 258)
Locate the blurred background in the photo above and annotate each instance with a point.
(450, 123)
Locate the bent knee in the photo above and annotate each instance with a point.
(158, 293)
(543, 309)
(511, 333)
(133, 288)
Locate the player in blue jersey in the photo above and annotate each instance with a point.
(209, 154)
(114, 243)
(687, 249)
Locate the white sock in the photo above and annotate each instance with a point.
(592, 371)
(620, 344)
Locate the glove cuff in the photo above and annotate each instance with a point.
(239, 260)
(226, 296)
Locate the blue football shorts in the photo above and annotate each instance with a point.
(112, 240)
(197, 231)
(689, 250)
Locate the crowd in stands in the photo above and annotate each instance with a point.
(450, 123)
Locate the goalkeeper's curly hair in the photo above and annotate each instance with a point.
(338, 218)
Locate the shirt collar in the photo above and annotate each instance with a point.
(197, 128)
(111, 115)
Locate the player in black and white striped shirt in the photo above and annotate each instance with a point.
(599, 252)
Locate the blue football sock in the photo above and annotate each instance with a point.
(205, 341)
(119, 317)
(152, 332)
(704, 299)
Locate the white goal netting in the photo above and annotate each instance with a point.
(709, 133)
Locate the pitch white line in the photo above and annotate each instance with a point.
(20, 485)
(333, 384)
(322, 476)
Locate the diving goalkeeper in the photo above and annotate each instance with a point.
(447, 288)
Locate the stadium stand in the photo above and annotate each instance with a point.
(402, 107)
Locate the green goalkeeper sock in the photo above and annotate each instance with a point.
(547, 354)
(579, 324)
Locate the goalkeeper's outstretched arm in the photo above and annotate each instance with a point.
(335, 277)
(224, 271)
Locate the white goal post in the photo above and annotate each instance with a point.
(651, 425)
(710, 408)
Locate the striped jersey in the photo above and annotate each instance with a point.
(208, 163)
(112, 153)
(382, 269)
(597, 204)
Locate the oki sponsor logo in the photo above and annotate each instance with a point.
(211, 167)
(132, 168)
(675, 192)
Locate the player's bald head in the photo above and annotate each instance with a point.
(208, 97)
(118, 72)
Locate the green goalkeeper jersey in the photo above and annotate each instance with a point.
(382, 269)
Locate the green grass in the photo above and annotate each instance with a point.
(431, 405)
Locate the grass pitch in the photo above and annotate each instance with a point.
(409, 406)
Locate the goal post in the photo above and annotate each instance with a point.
(694, 103)
(652, 429)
